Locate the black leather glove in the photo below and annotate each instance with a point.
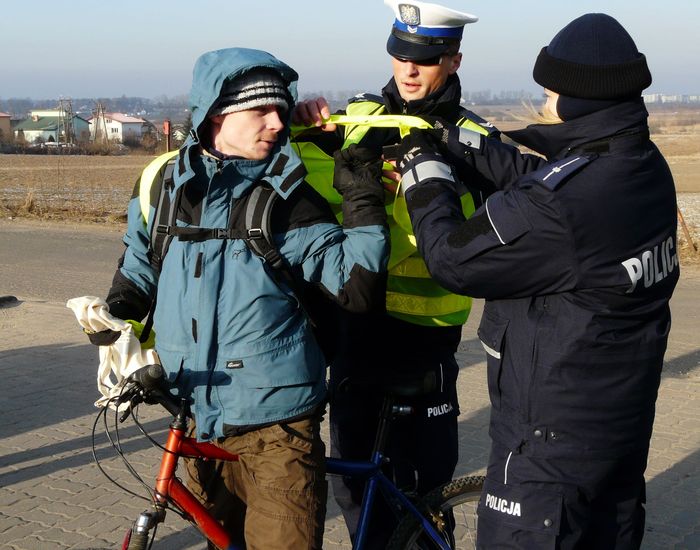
(357, 176)
(455, 141)
(417, 142)
(420, 159)
(103, 338)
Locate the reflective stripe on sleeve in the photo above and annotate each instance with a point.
(429, 169)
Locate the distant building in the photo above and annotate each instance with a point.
(5, 127)
(671, 98)
(53, 126)
(117, 127)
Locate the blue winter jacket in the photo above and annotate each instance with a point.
(231, 338)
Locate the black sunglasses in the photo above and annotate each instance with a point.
(430, 61)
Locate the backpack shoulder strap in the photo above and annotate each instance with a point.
(164, 218)
(258, 216)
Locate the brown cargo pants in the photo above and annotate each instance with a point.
(274, 497)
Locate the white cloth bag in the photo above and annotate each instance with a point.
(118, 360)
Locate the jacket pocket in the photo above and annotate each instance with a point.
(531, 510)
(294, 362)
(492, 334)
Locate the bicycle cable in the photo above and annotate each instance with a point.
(103, 412)
(117, 447)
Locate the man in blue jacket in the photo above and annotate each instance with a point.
(231, 335)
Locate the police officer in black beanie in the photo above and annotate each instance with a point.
(576, 259)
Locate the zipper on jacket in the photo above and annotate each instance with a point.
(542, 309)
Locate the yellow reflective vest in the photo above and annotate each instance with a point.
(412, 295)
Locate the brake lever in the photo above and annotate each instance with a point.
(133, 396)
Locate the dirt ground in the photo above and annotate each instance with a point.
(97, 188)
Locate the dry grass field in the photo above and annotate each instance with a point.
(97, 188)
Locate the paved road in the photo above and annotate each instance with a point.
(53, 497)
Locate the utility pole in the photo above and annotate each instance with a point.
(65, 121)
(166, 131)
(100, 124)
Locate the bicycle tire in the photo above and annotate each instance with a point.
(459, 496)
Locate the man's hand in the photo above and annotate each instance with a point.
(313, 112)
(357, 177)
(357, 167)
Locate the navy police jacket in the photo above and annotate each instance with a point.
(576, 259)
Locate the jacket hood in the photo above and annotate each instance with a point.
(557, 140)
(282, 168)
(212, 69)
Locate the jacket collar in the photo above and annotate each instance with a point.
(283, 169)
(558, 140)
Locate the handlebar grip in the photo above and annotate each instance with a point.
(149, 377)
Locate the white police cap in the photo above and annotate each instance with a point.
(423, 30)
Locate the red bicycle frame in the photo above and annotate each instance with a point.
(170, 490)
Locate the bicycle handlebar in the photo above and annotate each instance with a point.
(151, 380)
(149, 377)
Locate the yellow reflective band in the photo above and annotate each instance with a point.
(411, 267)
(403, 122)
(147, 176)
(421, 305)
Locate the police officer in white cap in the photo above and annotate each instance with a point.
(421, 329)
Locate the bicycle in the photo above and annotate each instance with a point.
(445, 518)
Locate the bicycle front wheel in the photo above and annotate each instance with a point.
(451, 509)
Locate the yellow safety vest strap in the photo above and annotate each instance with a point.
(147, 176)
(471, 125)
(403, 122)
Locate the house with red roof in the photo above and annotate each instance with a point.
(117, 127)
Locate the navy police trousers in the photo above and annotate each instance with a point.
(566, 504)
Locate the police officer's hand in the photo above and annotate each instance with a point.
(417, 142)
(421, 160)
(454, 141)
(358, 178)
(313, 112)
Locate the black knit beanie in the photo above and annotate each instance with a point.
(593, 57)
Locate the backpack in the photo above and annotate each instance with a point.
(256, 207)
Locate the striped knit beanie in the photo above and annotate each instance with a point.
(258, 87)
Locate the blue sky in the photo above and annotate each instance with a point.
(84, 48)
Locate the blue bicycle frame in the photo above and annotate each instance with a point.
(375, 479)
